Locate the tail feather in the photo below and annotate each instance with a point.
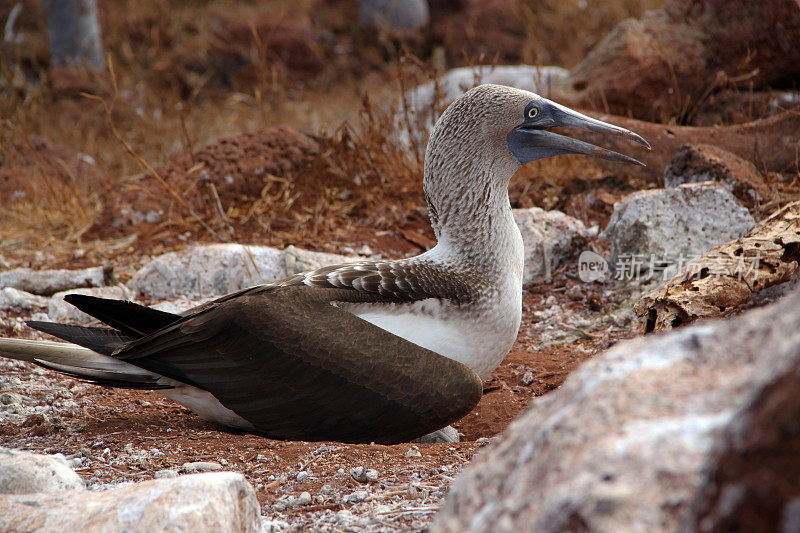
(83, 363)
(101, 340)
(130, 318)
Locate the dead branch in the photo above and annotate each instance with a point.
(725, 277)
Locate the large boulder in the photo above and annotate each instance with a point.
(694, 430)
(27, 473)
(676, 224)
(656, 67)
(219, 501)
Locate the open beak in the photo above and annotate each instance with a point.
(531, 140)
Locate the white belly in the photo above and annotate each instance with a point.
(474, 339)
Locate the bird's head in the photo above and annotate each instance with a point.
(514, 125)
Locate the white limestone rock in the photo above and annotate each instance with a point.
(208, 270)
(47, 282)
(550, 238)
(28, 473)
(689, 431)
(218, 501)
(299, 260)
(11, 298)
(60, 311)
(670, 223)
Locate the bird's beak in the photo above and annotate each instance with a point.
(531, 140)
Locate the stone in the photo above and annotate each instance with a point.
(28, 473)
(298, 260)
(208, 270)
(11, 298)
(180, 305)
(219, 501)
(47, 282)
(691, 430)
(201, 466)
(165, 474)
(668, 223)
(446, 434)
(694, 163)
(413, 452)
(653, 66)
(394, 15)
(550, 238)
(60, 311)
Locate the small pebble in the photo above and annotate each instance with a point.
(413, 452)
(8, 398)
(165, 474)
(357, 496)
(527, 378)
(201, 466)
(302, 476)
(303, 499)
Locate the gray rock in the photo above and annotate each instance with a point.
(11, 298)
(209, 270)
(357, 496)
(221, 501)
(687, 431)
(298, 260)
(666, 224)
(47, 282)
(60, 311)
(165, 474)
(550, 238)
(269, 525)
(8, 398)
(201, 466)
(413, 452)
(446, 434)
(180, 305)
(394, 15)
(27, 473)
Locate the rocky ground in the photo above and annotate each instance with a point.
(115, 436)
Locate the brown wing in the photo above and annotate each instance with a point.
(297, 367)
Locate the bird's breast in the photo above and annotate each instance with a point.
(478, 335)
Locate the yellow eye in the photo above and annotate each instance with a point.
(532, 112)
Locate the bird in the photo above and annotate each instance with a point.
(371, 351)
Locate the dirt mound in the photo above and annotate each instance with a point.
(274, 186)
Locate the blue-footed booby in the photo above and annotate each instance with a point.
(382, 351)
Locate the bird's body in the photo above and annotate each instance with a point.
(370, 351)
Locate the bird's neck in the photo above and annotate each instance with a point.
(471, 213)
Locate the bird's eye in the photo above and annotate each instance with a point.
(532, 112)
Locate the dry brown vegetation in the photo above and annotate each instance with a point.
(188, 73)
